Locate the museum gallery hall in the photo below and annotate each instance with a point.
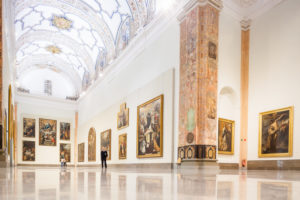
(150, 99)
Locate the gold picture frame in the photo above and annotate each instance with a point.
(123, 117)
(105, 141)
(226, 131)
(92, 145)
(276, 133)
(142, 151)
(123, 146)
(47, 132)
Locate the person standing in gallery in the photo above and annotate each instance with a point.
(103, 157)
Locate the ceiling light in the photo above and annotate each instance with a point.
(82, 94)
(17, 83)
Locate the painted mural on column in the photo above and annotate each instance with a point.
(198, 84)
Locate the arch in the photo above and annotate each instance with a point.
(57, 38)
(81, 10)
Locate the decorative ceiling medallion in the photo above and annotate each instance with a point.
(53, 49)
(61, 22)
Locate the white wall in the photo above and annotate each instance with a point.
(229, 78)
(274, 69)
(108, 120)
(29, 107)
(135, 84)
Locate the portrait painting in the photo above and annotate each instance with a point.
(150, 128)
(28, 151)
(92, 145)
(276, 133)
(28, 127)
(65, 131)
(47, 132)
(123, 146)
(123, 117)
(65, 152)
(226, 136)
(81, 152)
(274, 190)
(106, 142)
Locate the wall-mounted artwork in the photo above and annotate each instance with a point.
(65, 152)
(226, 136)
(150, 128)
(92, 145)
(106, 142)
(65, 131)
(276, 133)
(28, 127)
(47, 132)
(123, 146)
(123, 117)
(212, 50)
(28, 151)
(81, 152)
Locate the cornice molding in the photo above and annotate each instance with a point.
(218, 4)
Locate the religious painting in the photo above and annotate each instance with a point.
(28, 151)
(92, 145)
(28, 127)
(47, 132)
(123, 117)
(226, 136)
(65, 131)
(276, 133)
(274, 190)
(150, 128)
(65, 152)
(81, 152)
(123, 146)
(212, 50)
(106, 143)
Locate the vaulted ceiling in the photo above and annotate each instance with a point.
(73, 39)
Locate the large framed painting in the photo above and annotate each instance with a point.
(65, 152)
(106, 142)
(28, 151)
(65, 131)
(28, 127)
(276, 133)
(92, 145)
(226, 136)
(123, 146)
(47, 132)
(123, 117)
(81, 152)
(150, 128)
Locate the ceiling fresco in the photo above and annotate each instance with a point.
(75, 38)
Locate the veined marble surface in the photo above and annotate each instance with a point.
(26, 183)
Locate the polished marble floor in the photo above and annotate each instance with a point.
(26, 183)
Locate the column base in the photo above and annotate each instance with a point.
(197, 152)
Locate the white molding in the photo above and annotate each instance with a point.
(218, 4)
(49, 102)
(245, 24)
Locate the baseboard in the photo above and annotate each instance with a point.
(228, 165)
(273, 165)
(133, 166)
(43, 165)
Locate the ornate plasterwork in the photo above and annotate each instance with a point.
(61, 22)
(96, 31)
(245, 3)
(53, 49)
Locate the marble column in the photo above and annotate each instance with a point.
(199, 29)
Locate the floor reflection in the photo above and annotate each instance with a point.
(93, 183)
